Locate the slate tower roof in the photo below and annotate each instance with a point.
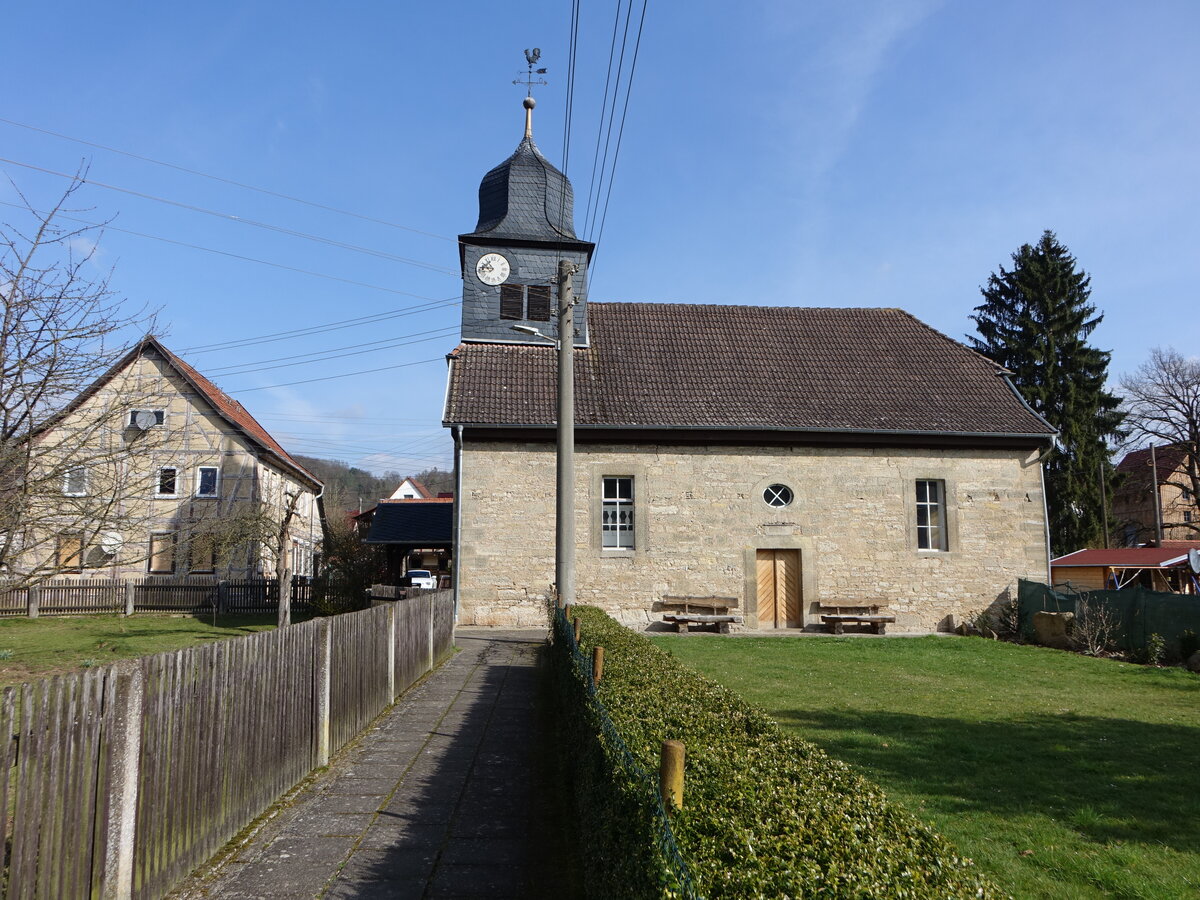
(526, 198)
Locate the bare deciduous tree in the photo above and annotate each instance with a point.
(1162, 405)
(62, 471)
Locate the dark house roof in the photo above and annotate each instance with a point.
(801, 369)
(1136, 467)
(525, 197)
(416, 523)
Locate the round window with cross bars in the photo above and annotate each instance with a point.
(777, 495)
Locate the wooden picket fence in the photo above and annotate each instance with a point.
(185, 594)
(124, 779)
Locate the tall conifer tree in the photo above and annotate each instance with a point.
(1035, 321)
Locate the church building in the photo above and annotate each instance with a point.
(791, 459)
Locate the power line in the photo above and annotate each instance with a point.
(230, 181)
(612, 112)
(621, 131)
(279, 229)
(248, 368)
(155, 237)
(339, 325)
(603, 106)
(267, 387)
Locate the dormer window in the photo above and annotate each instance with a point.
(528, 302)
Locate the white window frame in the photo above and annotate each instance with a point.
(216, 491)
(158, 492)
(624, 533)
(160, 416)
(82, 472)
(933, 533)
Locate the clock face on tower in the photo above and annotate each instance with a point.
(492, 268)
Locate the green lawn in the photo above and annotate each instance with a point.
(49, 645)
(1063, 776)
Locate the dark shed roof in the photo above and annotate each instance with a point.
(415, 523)
(673, 365)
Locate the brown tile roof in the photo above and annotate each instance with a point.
(1146, 557)
(233, 412)
(680, 365)
(1168, 457)
(225, 406)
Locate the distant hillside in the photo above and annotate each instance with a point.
(345, 485)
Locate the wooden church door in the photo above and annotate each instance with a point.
(779, 589)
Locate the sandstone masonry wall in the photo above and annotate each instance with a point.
(700, 516)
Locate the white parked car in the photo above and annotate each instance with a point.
(423, 578)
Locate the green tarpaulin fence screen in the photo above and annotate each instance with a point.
(1139, 612)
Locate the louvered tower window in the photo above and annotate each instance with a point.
(531, 302)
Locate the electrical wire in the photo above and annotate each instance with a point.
(102, 226)
(248, 368)
(339, 325)
(612, 46)
(589, 224)
(279, 229)
(230, 181)
(267, 387)
(621, 130)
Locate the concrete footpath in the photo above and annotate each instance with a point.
(444, 797)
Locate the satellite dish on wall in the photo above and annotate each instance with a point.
(1194, 560)
(144, 419)
(110, 542)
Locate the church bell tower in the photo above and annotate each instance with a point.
(510, 261)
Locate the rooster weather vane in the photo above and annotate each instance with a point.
(531, 57)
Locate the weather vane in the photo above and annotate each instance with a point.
(531, 57)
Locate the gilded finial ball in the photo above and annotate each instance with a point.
(529, 103)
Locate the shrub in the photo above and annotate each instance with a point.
(766, 814)
(1189, 643)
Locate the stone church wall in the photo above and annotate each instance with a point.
(700, 516)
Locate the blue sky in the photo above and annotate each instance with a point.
(826, 154)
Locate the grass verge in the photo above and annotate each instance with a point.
(1061, 775)
(49, 646)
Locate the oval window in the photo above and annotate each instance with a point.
(777, 495)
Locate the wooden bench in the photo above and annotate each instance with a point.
(870, 616)
(706, 612)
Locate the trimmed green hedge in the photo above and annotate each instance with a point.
(766, 814)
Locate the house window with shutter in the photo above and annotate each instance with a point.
(162, 553)
(68, 552)
(203, 554)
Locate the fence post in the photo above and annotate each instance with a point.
(670, 775)
(429, 607)
(124, 695)
(222, 597)
(597, 664)
(575, 627)
(130, 593)
(391, 656)
(34, 594)
(322, 673)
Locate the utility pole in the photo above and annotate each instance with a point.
(1158, 537)
(564, 530)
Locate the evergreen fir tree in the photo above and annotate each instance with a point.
(1035, 321)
